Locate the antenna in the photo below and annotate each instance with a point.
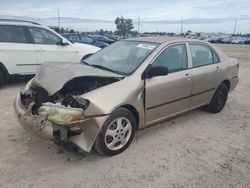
(235, 24)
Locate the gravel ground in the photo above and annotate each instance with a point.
(196, 149)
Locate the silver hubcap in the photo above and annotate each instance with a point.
(118, 133)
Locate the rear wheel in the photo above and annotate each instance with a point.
(117, 133)
(219, 99)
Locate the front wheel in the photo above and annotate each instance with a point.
(219, 99)
(2, 78)
(117, 133)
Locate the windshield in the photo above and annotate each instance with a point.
(122, 57)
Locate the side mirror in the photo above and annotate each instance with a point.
(63, 42)
(155, 71)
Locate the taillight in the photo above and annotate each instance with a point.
(238, 65)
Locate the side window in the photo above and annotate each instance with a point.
(13, 34)
(174, 58)
(87, 39)
(43, 36)
(202, 55)
(215, 58)
(73, 37)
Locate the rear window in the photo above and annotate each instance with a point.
(13, 34)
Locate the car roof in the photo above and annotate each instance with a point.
(162, 39)
(67, 34)
(70, 34)
(18, 22)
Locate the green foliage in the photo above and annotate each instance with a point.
(102, 32)
(123, 25)
(62, 30)
(72, 31)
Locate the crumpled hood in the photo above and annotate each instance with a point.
(53, 76)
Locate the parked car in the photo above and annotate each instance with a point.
(128, 85)
(24, 46)
(114, 37)
(102, 38)
(227, 40)
(247, 41)
(215, 39)
(80, 38)
(238, 41)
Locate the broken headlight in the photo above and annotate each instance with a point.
(59, 114)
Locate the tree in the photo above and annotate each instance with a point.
(124, 26)
(72, 31)
(61, 30)
(101, 32)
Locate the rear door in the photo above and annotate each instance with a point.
(16, 51)
(48, 48)
(206, 70)
(170, 94)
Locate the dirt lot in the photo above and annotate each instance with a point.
(196, 149)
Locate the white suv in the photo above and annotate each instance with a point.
(24, 46)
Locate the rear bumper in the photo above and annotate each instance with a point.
(41, 127)
(233, 83)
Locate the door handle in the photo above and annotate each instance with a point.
(187, 76)
(218, 69)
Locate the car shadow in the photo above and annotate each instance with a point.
(16, 81)
(78, 155)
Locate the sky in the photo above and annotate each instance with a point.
(207, 15)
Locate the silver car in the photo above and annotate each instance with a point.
(129, 85)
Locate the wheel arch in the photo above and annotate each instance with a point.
(227, 83)
(4, 70)
(133, 110)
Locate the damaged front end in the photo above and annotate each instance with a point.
(61, 116)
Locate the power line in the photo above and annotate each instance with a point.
(58, 17)
(181, 26)
(139, 20)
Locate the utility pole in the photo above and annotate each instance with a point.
(235, 24)
(58, 16)
(139, 20)
(181, 26)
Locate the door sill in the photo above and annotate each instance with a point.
(173, 115)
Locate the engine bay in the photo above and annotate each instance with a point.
(68, 96)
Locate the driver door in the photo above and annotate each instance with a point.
(170, 94)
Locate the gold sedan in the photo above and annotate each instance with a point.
(128, 85)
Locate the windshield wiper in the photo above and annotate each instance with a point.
(107, 69)
(84, 62)
(103, 68)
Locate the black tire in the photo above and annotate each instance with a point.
(219, 99)
(2, 78)
(100, 143)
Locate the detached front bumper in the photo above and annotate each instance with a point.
(34, 124)
(88, 128)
